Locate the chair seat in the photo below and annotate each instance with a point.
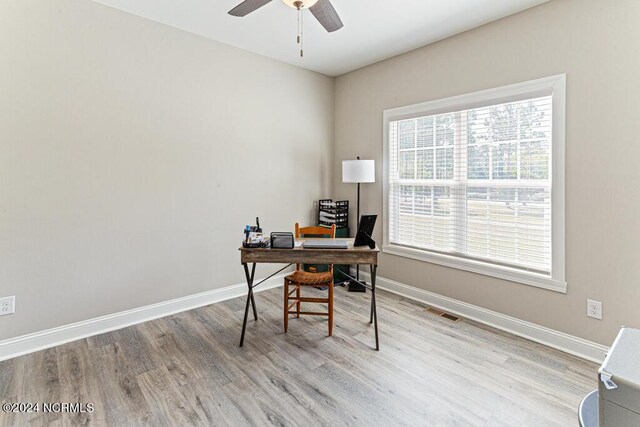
(300, 279)
(308, 278)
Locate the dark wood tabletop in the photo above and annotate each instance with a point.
(351, 255)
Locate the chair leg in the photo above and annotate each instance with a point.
(331, 309)
(286, 306)
(299, 303)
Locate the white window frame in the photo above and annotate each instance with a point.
(553, 85)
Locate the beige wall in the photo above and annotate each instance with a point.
(123, 143)
(597, 44)
(133, 154)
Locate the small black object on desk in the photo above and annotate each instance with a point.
(366, 224)
(363, 239)
(282, 240)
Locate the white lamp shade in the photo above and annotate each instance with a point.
(358, 171)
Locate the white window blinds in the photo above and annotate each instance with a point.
(475, 183)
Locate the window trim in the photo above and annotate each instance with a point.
(555, 85)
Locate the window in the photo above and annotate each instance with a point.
(476, 182)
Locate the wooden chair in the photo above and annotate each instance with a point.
(300, 278)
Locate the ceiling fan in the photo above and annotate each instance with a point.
(322, 10)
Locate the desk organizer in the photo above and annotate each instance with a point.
(330, 212)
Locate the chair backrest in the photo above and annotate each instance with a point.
(316, 231)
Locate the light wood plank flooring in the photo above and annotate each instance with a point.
(187, 369)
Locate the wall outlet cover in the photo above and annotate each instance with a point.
(7, 305)
(594, 309)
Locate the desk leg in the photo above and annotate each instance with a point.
(253, 301)
(250, 299)
(374, 311)
(372, 307)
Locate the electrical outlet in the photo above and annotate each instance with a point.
(594, 309)
(7, 305)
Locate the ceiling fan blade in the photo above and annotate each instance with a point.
(327, 16)
(247, 6)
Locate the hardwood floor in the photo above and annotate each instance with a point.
(187, 369)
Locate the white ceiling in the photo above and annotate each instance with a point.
(373, 29)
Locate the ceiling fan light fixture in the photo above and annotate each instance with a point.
(304, 4)
(322, 10)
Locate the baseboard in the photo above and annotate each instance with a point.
(559, 340)
(25, 344)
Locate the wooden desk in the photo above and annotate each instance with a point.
(352, 255)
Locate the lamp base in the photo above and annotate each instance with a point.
(356, 287)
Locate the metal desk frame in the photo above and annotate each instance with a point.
(298, 255)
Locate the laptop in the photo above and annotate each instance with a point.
(324, 244)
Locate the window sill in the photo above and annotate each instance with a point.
(505, 273)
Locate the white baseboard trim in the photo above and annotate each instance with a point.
(30, 343)
(559, 340)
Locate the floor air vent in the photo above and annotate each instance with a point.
(450, 317)
(443, 314)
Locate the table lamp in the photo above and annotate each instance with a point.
(358, 172)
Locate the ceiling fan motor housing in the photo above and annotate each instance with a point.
(300, 4)
(322, 10)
